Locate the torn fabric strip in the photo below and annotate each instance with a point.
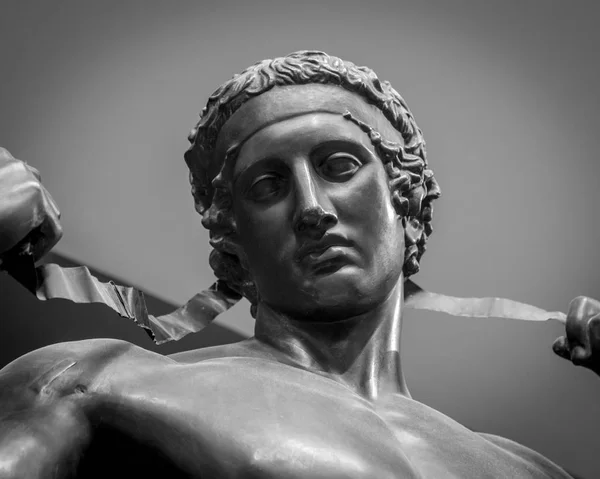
(417, 298)
(80, 286)
(77, 284)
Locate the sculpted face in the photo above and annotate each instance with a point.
(314, 216)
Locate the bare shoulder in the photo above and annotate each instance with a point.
(64, 368)
(248, 348)
(45, 422)
(529, 456)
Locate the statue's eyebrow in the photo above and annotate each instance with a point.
(351, 144)
(254, 166)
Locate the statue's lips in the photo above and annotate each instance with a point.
(330, 261)
(325, 249)
(329, 253)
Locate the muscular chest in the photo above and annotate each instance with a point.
(248, 419)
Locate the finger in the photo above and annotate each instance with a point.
(50, 231)
(5, 155)
(580, 356)
(581, 309)
(35, 172)
(561, 347)
(37, 228)
(583, 306)
(51, 203)
(594, 332)
(21, 205)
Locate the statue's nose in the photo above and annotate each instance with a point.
(314, 213)
(315, 222)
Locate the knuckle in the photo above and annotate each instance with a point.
(580, 355)
(19, 172)
(35, 187)
(57, 234)
(594, 322)
(35, 172)
(560, 346)
(578, 306)
(578, 301)
(5, 154)
(33, 196)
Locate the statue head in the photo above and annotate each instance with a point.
(291, 87)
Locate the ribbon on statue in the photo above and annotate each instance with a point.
(77, 284)
(417, 298)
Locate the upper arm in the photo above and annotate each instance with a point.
(43, 421)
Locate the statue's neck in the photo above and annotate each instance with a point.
(362, 352)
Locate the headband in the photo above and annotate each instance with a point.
(278, 104)
(285, 102)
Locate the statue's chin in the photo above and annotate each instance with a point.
(338, 294)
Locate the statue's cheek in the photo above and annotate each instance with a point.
(366, 198)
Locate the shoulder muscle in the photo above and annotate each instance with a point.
(535, 459)
(57, 370)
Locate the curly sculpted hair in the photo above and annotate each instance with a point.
(412, 185)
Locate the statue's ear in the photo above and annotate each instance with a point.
(413, 231)
(413, 236)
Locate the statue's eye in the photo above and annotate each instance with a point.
(339, 167)
(265, 187)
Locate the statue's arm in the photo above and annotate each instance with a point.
(581, 342)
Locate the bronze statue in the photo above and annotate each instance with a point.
(311, 175)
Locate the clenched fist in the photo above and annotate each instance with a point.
(581, 345)
(29, 217)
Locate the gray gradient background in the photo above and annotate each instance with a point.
(100, 97)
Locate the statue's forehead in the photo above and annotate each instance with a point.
(300, 134)
(285, 102)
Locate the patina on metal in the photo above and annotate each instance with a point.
(312, 178)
